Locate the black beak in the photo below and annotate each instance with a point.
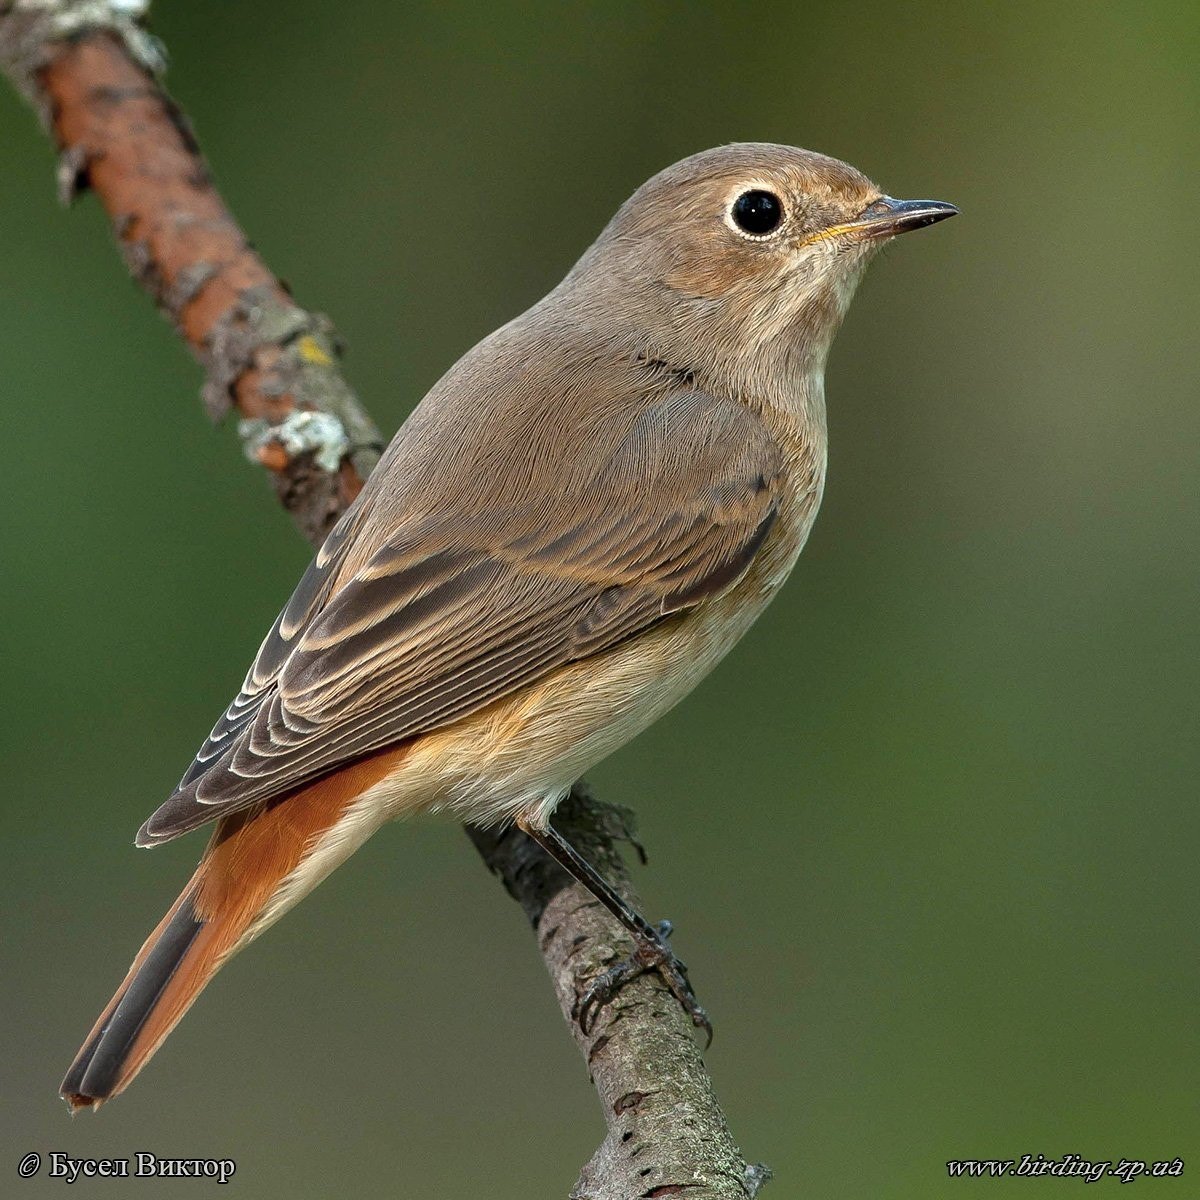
(886, 217)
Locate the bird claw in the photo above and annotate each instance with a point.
(651, 953)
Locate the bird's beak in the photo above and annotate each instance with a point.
(887, 217)
(884, 218)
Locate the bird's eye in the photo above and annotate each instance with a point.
(757, 213)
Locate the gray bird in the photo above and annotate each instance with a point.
(572, 528)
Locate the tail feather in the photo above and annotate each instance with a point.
(260, 861)
(115, 1049)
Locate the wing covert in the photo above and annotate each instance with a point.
(454, 611)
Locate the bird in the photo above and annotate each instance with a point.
(576, 523)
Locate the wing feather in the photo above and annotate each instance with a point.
(452, 612)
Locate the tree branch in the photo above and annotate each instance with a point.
(91, 70)
(667, 1135)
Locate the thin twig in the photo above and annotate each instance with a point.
(92, 71)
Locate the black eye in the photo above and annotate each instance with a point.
(757, 213)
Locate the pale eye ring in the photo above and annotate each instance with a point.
(757, 213)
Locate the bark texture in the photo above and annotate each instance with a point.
(119, 134)
(92, 72)
(667, 1134)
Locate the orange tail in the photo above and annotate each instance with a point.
(235, 893)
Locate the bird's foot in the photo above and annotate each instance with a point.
(652, 952)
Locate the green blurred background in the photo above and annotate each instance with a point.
(929, 835)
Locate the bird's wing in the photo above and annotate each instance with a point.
(313, 591)
(454, 612)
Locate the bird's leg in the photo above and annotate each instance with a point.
(652, 947)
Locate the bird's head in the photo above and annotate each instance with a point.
(747, 254)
